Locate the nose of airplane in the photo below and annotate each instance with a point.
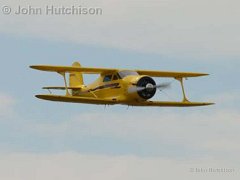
(147, 87)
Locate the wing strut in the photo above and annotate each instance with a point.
(65, 82)
(183, 90)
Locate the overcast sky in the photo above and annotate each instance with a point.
(46, 140)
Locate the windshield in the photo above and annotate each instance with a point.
(125, 73)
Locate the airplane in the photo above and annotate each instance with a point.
(116, 86)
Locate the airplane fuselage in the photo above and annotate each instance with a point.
(115, 88)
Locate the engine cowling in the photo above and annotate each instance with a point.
(149, 86)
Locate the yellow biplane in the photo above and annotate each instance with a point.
(115, 86)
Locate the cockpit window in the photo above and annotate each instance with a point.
(125, 73)
(107, 78)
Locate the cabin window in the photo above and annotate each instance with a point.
(107, 78)
(115, 77)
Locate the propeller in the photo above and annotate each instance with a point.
(149, 87)
(165, 85)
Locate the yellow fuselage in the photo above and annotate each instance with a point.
(112, 90)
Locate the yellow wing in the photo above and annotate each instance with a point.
(170, 74)
(84, 70)
(87, 70)
(75, 99)
(171, 104)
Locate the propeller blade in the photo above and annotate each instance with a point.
(163, 85)
(135, 89)
(158, 86)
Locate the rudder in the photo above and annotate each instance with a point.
(76, 78)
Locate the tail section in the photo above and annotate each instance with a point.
(76, 78)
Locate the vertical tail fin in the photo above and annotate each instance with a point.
(76, 78)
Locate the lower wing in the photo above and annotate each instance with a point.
(89, 100)
(171, 104)
(75, 99)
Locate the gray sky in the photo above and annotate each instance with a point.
(40, 139)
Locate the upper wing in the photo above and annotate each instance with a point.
(170, 74)
(75, 99)
(171, 104)
(84, 70)
(87, 70)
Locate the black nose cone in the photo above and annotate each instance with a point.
(150, 87)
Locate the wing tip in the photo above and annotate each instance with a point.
(200, 74)
(46, 97)
(34, 67)
(39, 96)
(208, 104)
